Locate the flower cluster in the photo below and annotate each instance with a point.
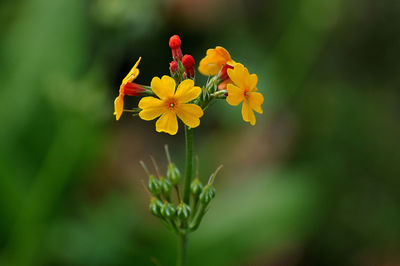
(176, 96)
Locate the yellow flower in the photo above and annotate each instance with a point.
(171, 103)
(119, 101)
(244, 91)
(214, 61)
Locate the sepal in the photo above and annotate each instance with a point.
(196, 187)
(173, 174)
(155, 206)
(168, 210)
(154, 186)
(183, 211)
(207, 194)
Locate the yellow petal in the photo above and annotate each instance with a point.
(252, 82)
(189, 114)
(152, 108)
(186, 91)
(239, 75)
(209, 67)
(133, 73)
(235, 94)
(255, 100)
(248, 114)
(118, 106)
(214, 60)
(164, 87)
(167, 123)
(223, 53)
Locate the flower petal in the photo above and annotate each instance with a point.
(212, 63)
(189, 114)
(167, 123)
(248, 114)
(152, 108)
(223, 53)
(164, 87)
(255, 100)
(209, 67)
(133, 73)
(252, 82)
(118, 106)
(235, 94)
(186, 91)
(239, 75)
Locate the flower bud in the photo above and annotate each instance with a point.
(183, 211)
(167, 210)
(165, 186)
(207, 195)
(188, 63)
(173, 174)
(154, 186)
(196, 187)
(155, 206)
(132, 89)
(173, 67)
(175, 45)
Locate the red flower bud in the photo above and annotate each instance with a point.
(175, 44)
(132, 89)
(188, 63)
(223, 74)
(173, 67)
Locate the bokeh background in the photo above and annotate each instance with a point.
(315, 182)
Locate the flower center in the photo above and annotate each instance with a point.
(246, 91)
(171, 103)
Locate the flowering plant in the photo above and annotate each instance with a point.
(176, 96)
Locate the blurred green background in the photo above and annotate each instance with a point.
(315, 182)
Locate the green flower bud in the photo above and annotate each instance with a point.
(208, 194)
(196, 187)
(154, 186)
(167, 210)
(165, 186)
(155, 206)
(173, 174)
(183, 211)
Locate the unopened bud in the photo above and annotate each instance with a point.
(173, 67)
(173, 174)
(154, 186)
(165, 186)
(167, 210)
(183, 211)
(196, 187)
(175, 45)
(208, 194)
(132, 89)
(155, 206)
(188, 64)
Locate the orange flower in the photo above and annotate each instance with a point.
(215, 59)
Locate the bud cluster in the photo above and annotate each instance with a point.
(179, 216)
(183, 65)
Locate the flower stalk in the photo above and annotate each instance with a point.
(174, 97)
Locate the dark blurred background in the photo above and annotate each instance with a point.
(315, 182)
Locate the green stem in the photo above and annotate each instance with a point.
(197, 220)
(183, 238)
(189, 163)
(182, 249)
